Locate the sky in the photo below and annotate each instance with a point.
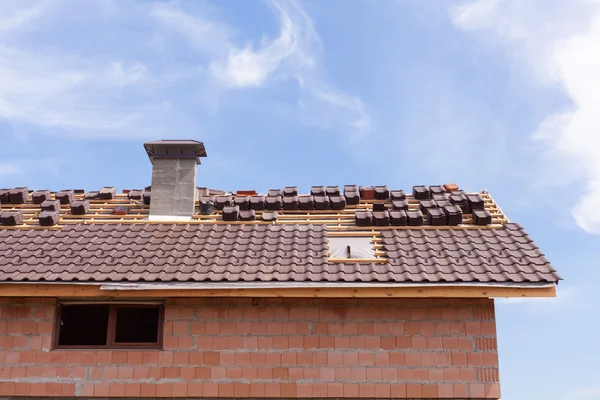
(491, 94)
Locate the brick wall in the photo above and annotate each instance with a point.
(377, 348)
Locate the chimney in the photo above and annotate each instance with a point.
(173, 178)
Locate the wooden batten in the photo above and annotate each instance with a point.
(112, 211)
(423, 291)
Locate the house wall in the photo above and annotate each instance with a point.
(227, 347)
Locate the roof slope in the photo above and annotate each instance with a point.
(262, 252)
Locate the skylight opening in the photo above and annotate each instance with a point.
(353, 249)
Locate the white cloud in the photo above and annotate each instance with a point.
(15, 15)
(591, 393)
(60, 89)
(7, 169)
(124, 80)
(292, 51)
(293, 54)
(558, 41)
(119, 74)
(210, 36)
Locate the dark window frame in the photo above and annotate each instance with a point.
(111, 331)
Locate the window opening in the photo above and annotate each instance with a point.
(82, 325)
(136, 324)
(109, 326)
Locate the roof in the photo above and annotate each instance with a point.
(114, 242)
(250, 252)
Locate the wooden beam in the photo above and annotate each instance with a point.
(357, 260)
(89, 291)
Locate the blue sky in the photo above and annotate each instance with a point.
(495, 94)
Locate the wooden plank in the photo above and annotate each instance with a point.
(458, 291)
(357, 260)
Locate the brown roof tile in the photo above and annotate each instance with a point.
(247, 252)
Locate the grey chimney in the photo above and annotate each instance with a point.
(173, 178)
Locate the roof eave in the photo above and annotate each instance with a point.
(276, 289)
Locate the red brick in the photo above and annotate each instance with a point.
(372, 342)
(459, 359)
(181, 358)
(234, 342)
(427, 328)
(205, 342)
(218, 373)
(104, 357)
(430, 390)
(79, 372)
(96, 373)
(171, 372)
(125, 373)
(334, 390)
(466, 343)
(445, 390)
(90, 358)
(202, 373)
(428, 359)
(110, 373)
(382, 390)
(156, 373)
(389, 374)
(147, 390)
(414, 390)
(475, 359)
(185, 342)
(397, 358)
(87, 389)
(304, 389)
(116, 389)
(467, 374)
(404, 342)
(492, 391)
(179, 389)
(413, 359)
(196, 358)
(211, 389)
(434, 343)
(373, 374)
(443, 359)
(477, 390)
(398, 390)
(420, 374)
(140, 373)
(489, 359)
(7, 388)
(133, 389)
(164, 389)
(34, 372)
(212, 358)
(436, 374)
(19, 342)
(366, 358)
(67, 390)
(273, 389)
(118, 357)
(150, 357)
(366, 390)
(101, 389)
(488, 328)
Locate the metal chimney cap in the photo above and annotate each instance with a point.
(175, 149)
